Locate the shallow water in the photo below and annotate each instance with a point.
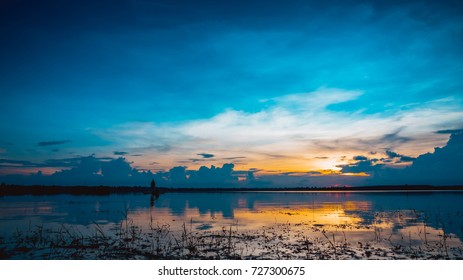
(392, 212)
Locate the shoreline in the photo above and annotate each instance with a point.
(12, 190)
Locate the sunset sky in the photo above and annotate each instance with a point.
(322, 90)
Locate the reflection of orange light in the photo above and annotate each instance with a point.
(327, 214)
(242, 203)
(323, 216)
(357, 206)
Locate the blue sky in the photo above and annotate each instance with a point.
(270, 86)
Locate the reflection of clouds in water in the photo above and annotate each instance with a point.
(387, 229)
(386, 212)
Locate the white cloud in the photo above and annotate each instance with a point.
(292, 131)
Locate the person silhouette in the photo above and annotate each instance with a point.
(153, 186)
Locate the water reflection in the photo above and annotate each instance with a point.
(394, 214)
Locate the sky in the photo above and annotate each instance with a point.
(251, 93)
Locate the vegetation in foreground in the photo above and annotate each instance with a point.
(280, 241)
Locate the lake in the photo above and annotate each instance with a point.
(273, 225)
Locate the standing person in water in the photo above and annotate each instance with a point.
(153, 185)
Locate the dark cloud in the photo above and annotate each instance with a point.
(88, 170)
(51, 143)
(53, 163)
(15, 163)
(213, 174)
(387, 140)
(366, 166)
(66, 162)
(283, 181)
(394, 137)
(116, 169)
(374, 165)
(242, 172)
(360, 158)
(204, 155)
(197, 160)
(449, 131)
(118, 153)
(178, 174)
(232, 158)
(442, 167)
(276, 155)
(63, 162)
(401, 158)
(91, 170)
(204, 177)
(255, 169)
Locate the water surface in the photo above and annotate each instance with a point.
(399, 213)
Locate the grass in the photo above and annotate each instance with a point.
(278, 241)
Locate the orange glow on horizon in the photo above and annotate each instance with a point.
(291, 166)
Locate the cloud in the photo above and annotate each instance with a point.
(117, 153)
(360, 158)
(401, 158)
(297, 128)
(362, 166)
(231, 158)
(441, 167)
(394, 137)
(204, 155)
(71, 162)
(88, 170)
(213, 174)
(15, 163)
(449, 131)
(317, 100)
(198, 160)
(65, 162)
(94, 171)
(51, 143)
(204, 177)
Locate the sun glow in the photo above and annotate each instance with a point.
(328, 164)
